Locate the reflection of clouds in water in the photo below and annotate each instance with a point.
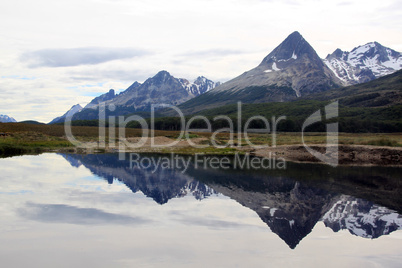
(68, 209)
(211, 223)
(58, 213)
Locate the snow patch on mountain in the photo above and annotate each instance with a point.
(274, 67)
(196, 189)
(199, 86)
(362, 218)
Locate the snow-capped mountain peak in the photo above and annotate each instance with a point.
(199, 86)
(6, 119)
(364, 63)
(362, 218)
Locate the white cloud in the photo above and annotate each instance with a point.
(77, 56)
(106, 42)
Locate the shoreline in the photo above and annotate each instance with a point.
(370, 149)
(348, 155)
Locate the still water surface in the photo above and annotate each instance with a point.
(67, 210)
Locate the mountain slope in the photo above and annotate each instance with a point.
(364, 63)
(6, 119)
(375, 106)
(291, 70)
(102, 98)
(384, 91)
(74, 109)
(162, 88)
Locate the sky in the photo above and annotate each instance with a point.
(55, 54)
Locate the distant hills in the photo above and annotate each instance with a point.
(292, 71)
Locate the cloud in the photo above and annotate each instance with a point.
(213, 52)
(69, 214)
(78, 56)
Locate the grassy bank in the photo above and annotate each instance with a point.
(20, 138)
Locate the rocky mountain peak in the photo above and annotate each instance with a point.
(161, 77)
(292, 48)
(291, 70)
(102, 98)
(338, 53)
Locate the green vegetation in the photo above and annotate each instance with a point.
(351, 119)
(29, 142)
(381, 92)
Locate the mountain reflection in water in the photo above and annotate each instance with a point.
(363, 200)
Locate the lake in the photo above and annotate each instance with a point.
(71, 210)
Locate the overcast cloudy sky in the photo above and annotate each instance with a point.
(54, 54)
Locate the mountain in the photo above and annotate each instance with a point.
(364, 63)
(74, 109)
(102, 98)
(375, 107)
(163, 88)
(291, 70)
(7, 119)
(199, 86)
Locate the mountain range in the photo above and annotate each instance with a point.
(163, 88)
(294, 70)
(6, 119)
(291, 71)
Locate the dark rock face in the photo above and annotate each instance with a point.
(160, 89)
(102, 98)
